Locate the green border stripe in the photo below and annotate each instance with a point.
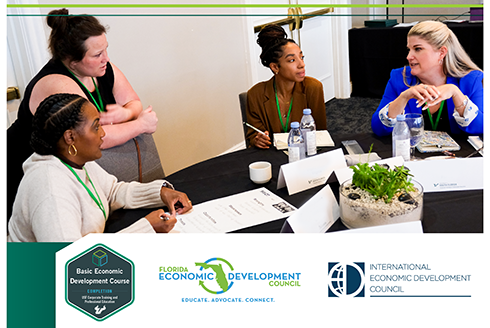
(242, 6)
(239, 15)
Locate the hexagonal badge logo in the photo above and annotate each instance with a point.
(99, 282)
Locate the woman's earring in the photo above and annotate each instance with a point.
(75, 151)
(440, 62)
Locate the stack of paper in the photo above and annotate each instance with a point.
(323, 139)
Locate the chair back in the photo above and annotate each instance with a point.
(243, 107)
(135, 160)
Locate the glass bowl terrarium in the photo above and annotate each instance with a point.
(378, 195)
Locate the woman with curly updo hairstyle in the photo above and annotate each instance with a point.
(272, 105)
(79, 65)
(65, 195)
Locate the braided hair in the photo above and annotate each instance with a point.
(55, 114)
(271, 39)
(69, 33)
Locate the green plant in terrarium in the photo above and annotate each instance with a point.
(381, 181)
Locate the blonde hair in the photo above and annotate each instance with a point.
(456, 63)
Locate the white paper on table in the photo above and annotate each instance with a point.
(454, 174)
(234, 212)
(317, 214)
(476, 142)
(323, 139)
(405, 24)
(405, 227)
(346, 173)
(310, 172)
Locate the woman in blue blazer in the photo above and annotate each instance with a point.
(440, 81)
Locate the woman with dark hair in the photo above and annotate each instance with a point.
(79, 65)
(64, 195)
(272, 105)
(441, 82)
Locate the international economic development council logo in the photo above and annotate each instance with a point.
(346, 280)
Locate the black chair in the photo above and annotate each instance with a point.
(243, 107)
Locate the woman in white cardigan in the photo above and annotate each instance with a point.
(64, 195)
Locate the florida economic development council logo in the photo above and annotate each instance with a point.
(217, 276)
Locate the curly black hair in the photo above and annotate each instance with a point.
(271, 39)
(55, 114)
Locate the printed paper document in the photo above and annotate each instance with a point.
(234, 212)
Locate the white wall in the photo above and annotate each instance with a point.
(190, 69)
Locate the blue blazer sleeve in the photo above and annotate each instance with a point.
(470, 85)
(393, 89)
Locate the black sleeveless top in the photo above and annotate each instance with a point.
(19, 133)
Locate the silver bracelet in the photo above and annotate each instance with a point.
(465, 102)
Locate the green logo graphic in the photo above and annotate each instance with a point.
(99, 258)
(99, 282)
(220, 275)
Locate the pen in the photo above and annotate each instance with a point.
(473, 153)
(253, 127)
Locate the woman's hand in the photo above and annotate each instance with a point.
(447, 91)
(161, 221)
(115, 114)
(176, 201)
(422, 93)
(262, 140)
(148, 120)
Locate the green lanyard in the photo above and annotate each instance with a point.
(96, 200)
(100, 104)
(284, 127)
(434, 127)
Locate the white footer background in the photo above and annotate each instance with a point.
(161, 302)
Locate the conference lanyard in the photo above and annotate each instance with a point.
(100, 106)
(96, 200)
(284, 127)
(434, 127)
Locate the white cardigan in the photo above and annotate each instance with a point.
(52, 205)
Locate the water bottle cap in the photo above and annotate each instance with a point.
(294, 125)
(400, 118)
(307, 111)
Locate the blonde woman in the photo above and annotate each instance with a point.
(440, 81)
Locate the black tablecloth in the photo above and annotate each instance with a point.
(228, 174)
(374, 52)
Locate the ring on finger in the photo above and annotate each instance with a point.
(425, 87)
(164, 218)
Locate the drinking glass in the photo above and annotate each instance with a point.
(415, 123)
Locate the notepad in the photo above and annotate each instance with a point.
(437, 141)
(323, 139)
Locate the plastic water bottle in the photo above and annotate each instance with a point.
(401, 138)
(296, 143)
(308, 129)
